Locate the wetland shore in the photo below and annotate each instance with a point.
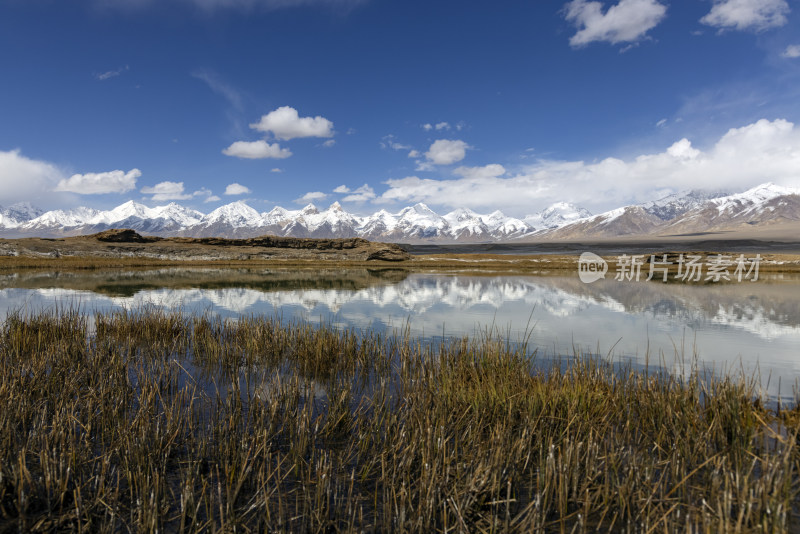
(127, 248)
(154, 420)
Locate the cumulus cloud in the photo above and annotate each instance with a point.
(25, 179)
(792, 51)
(166, 191)
(754, 15)
(237, 189)
(342, 189)
(414, 154)
(329, 143)
(362, 194)
(100, 183)
(742, 158)
(312, 196)
(257, 150)
(285, 123)
(446, 151)
(625, 22)
(442, 126)
(212, 198)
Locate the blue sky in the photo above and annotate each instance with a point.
(383, 103)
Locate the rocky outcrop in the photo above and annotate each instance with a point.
(125, 235)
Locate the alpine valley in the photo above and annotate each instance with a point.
(769, 209)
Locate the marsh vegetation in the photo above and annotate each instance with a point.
(147, 420)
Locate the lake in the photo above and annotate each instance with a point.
(726, 327)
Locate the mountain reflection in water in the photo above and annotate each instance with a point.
(753, 327)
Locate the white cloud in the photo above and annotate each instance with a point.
(427, 127)
(362, 194)
(446, 151)
(312, 196)
(276, 169)
(388, 141)
(212, 198)
(683, 150)
(257, 150)
(792, 51)
(747, 14)
(204, 192)
(24, 179)
(625, 22)
(661, 123)
(442, 126)
(285, 123)
(742, 158)
(414, 154)
(342, 189)
(100, 183)
(329, 143)
(111, 73)
(237, 189)
(488, 171)
(166, 191)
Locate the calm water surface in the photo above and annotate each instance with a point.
(729, 327)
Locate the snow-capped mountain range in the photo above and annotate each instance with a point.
(690, 211)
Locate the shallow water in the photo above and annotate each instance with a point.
(729, 327)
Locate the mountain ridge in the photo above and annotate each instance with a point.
(681, 213)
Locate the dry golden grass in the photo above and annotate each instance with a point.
(152, 421)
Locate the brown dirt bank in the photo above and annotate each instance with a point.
(130, 248)
(126, 248)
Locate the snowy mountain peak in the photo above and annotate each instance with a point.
(61, 218)
(768, 191)
(237, 214)
(684, 212)
(276, 215)
(21, 212)
(422, 209)
(177, 214)
(310, 209)
(461, 214)
(496, 215)
(671, 206)
(127, 210)
(565, 211)
(557, 215)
